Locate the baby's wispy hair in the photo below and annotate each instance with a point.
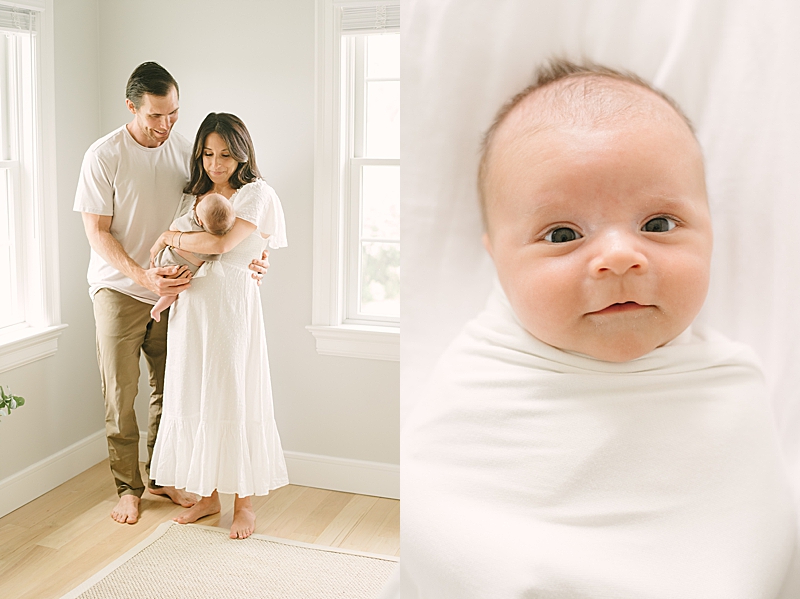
(573, 92)
(219, 214)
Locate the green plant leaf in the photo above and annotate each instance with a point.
(9, 401)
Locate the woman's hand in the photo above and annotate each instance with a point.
(259, 267)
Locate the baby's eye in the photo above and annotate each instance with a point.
(659, 224)
(562, 235)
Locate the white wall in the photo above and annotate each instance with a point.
(256, 60)
(64, 404)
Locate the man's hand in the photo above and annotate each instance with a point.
(161, 281)
(167, 280)
(259, 267)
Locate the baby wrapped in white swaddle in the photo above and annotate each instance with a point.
(580, 439)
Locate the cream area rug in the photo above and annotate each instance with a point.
(192, 561)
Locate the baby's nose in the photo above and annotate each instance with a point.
(618, 253)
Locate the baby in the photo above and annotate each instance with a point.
(214, 214)
(582, 438)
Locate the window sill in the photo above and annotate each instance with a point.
(358, 341)
(25, 345)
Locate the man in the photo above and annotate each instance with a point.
(129, 188)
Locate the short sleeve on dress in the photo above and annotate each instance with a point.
(258, 203)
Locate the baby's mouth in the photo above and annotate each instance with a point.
(620, 308)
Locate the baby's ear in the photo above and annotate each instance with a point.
(487, 243)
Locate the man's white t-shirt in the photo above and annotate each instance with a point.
(140, 188)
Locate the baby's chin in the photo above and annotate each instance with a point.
(613, 348)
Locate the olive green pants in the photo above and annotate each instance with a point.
(124, 331)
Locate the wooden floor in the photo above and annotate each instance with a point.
(54, 543)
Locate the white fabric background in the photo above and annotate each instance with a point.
(731, 64)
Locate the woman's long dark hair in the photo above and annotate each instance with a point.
(234, 133)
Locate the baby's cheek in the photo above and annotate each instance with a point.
(542, 303)
(688, 285)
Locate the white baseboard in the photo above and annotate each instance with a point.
(45, 475)
(342, 474)
(336, 474)
(310, 470)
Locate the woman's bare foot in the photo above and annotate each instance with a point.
(126, 510)
(244, 518)
(178, 496)
(205, 507)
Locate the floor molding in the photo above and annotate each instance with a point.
(311, 470)
(336, 474)
(343, 474)
(45, 475)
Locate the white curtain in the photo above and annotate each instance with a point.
(733, 65)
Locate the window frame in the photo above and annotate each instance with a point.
(15, 225)
(336, 329)
(36, 226)
(355, 81)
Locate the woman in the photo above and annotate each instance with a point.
(217, 431)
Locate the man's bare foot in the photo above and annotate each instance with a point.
(244, 518)
(178, 496)
(126, 510)
(205, 507)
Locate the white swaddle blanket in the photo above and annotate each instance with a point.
(533, 472)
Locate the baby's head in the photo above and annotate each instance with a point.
(215, 214)
(595, 211)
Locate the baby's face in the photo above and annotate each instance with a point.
(601, 237)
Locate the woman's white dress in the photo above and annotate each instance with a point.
(217, 427)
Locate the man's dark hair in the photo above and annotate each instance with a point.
(149, 78)
(240, 145)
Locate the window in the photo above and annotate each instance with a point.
(356, 309)
(29, 310)
(373, 193)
